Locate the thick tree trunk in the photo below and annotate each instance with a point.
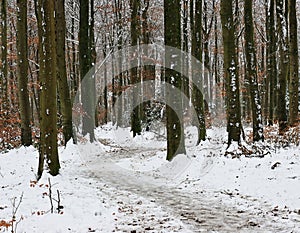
(48, 123)
(175, 132)
(251, 73)
(22, 73)
(234, 126)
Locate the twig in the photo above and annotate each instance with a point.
(50, 195)
(14, 213)
(59, 207)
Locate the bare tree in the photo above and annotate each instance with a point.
(175, 135)
(22, 74)
(234, 126)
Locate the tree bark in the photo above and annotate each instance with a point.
(63, 87)
(271, 58)
(294, 65)
(175, 132)
(134, 28)
(282, 67)
(48, 122)
(197, 95)
(251, 73)
(22, 73)
(87, 87)
(233, 108)
(4, 69)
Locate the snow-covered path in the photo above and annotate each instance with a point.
(120, 184)
(201, 210)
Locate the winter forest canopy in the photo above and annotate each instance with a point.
(70, 66)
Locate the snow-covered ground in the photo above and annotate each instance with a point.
(120, 184)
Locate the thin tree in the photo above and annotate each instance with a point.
(251, 73)
(134, 28)
(87, 88)
(282, 65)
(172, 36)
(271, 57)
(233, 108)
(294, 64)
(63, 87)
(197, 96)
(4, 68)
(22, 72)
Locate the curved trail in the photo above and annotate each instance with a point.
(201, 211)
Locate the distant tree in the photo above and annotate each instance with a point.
(233, 108)
(271, 57)
(63, 87)
(22, 72)
(251, 73)
(4, 66)
(282, 65)
(172, 36)
(118, 4)
(294, 64)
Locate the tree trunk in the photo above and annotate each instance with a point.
(185, 48)
(134, 28)
(251, 65)
(87, 87)
(63, 87)
(4, 69)
(230, 70)
(22, 72)
(294, 65)
(48, 122)
(172, 36)
(283, 66)
(41, 76)
(271, 58)
(148, 71)
(197, 95)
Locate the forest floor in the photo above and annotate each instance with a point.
(121, 184)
